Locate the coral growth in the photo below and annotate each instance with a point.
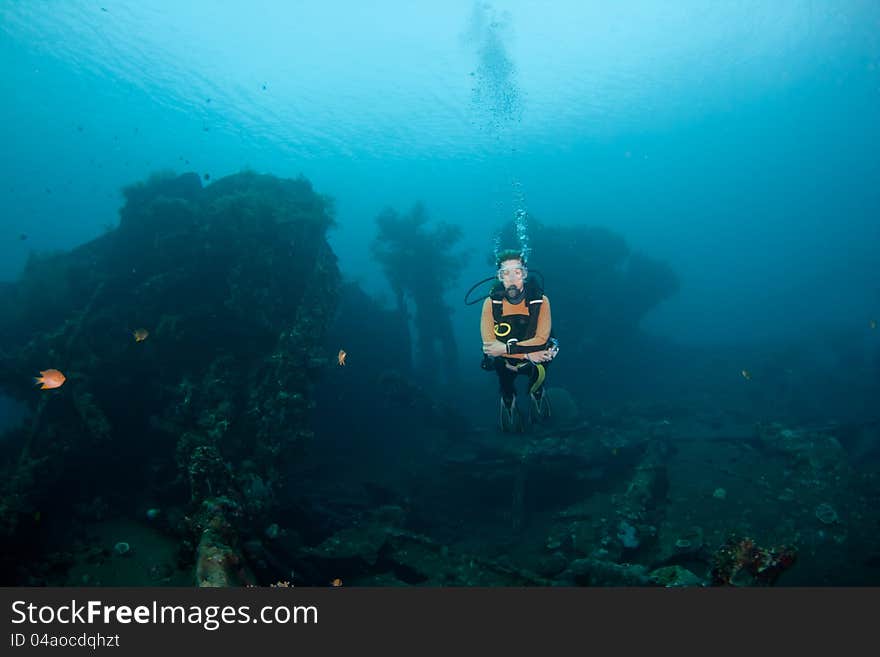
(742, 562)
(236, 285)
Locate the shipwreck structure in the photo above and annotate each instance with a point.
(190, 336)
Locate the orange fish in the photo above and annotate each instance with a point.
(747, 375)
(341, 357)
(336, 582)
(140, 334)
(50, 379)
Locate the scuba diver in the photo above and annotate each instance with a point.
(516, 328)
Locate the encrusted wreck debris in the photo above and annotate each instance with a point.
(235, 285)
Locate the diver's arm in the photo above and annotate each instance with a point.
(487, 322)
(491, 344)
(542, 332)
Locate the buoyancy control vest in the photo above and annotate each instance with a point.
(514, 328)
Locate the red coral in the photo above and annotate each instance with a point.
(741, 562)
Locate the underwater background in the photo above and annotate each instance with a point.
(246, 232)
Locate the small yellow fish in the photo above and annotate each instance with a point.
(140, 334)
(341, 357)
(336, 582)
(747, 375)
(50, 379)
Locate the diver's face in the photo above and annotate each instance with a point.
(512, 274)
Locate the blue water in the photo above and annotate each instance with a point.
(737, 141)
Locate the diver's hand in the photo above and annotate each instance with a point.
(542, 356)
(494, 349)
